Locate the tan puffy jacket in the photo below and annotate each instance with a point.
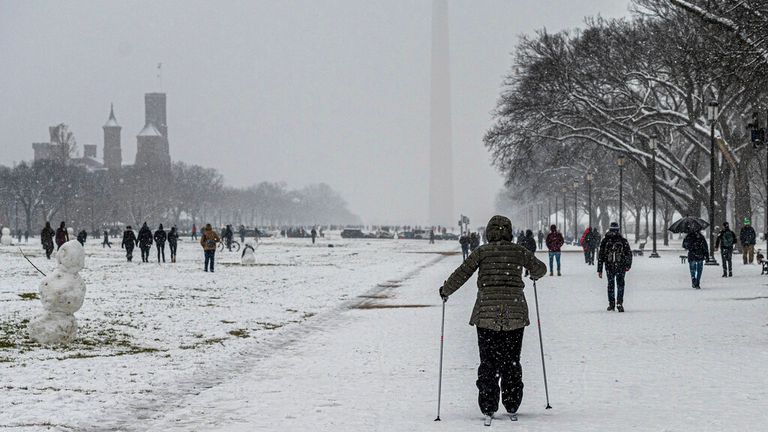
(209, 240)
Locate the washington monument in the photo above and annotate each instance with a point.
(441, 211)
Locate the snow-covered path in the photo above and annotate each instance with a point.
(677, 360)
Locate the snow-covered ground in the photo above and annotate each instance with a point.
(347, 339)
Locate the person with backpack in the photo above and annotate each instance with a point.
(160, 238)
(46, 238)
(554, 243)
(62, 235)
(725, 241)
(145, 242)
(208, 240)
(748, 239)
(698, 251)
(129, 241)
(173, 239)
(616, 255)
(500, 313)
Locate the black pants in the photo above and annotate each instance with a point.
(48, 251)
(145, 253)
(615, 280)
(209, 258)
(106, 243)
(172, 247)
(160, 251)
(499, 361)
(129, 253)
(727, 255)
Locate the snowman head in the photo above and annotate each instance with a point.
(71, 256)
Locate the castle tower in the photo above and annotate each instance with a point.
(441, 211)
(154, 113)
(113, 155)
(152, 142)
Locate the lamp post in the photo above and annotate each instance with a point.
(712, 113)
(620, 162)
(652, 144)
(575, 212)
(557, 214)
(565, 212)
(589, 199)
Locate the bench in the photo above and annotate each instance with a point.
(683, 259)
(639, 251)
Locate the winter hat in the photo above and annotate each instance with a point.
(725, 224)
(498, 228)
(553, 228)
(614, 226)
(747, 221)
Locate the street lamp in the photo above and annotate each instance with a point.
(589, 199)
(652, 144)
(575, 211)
(565, 213)
(712, 114)
(620, 162)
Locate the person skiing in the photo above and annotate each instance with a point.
(129, 241)
(82, 236)
(554, 243)
(698, 251)
(595, 239)
(725, 241)
(616, 255)
(208, 240)
(313, 233)
(160, 238)
(173, 238)
(194, 232)
(145, 241)
(748, 239)
(62, 235)
(106, 240)
(46, 239)
(541, 239)
(500, 313)
(464, 242)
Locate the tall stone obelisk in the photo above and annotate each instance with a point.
(441, 211)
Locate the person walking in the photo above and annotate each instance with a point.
(82, 236)
(194, 232)
(616, 256)
(145, 242)
(725, 241)
(541, 239)
(62, 235)
(160, 238)
(208, 240)
(464, 242)
(698, 251)
(129, 242)
(46, 239)
(173, 239)
(586, 239)
(241, 231)
(595, 239)
(432, 236)
(529, 243)
(106, 240)
(748, 239)
(474, 242)
(313, 233)
(554, 243)
(500, 313)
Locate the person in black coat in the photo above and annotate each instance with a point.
(160, 238)
(106, 242)
(129, 241)
(616, 255)
(698, 251)
(173, 238)
(46, 238)
(82, 236)
(145, 242)
(527, 241)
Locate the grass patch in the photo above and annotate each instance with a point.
(29, 296)
(241, 333)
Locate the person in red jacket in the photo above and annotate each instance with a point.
(554, 243)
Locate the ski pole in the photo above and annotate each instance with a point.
(541, 344)
(440, 379)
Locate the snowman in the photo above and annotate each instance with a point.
(62, 293)
(248, 257)
(6, 239)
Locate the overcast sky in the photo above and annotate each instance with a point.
(300, 91)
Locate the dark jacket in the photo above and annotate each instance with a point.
(46, 236)
(698, 249)
(554, 240)
(747, 236)
(160, 237)
(725, 236)
(129, 239)
(145, 237)
(173, 236)
(62, 236)
(82, 236)
(614, 253)
(528, 242)
(500, 303)
(595, 240)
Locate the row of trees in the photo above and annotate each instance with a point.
(51, 190)
(574, 101)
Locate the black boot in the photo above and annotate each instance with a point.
(611, 307)
(620, 307)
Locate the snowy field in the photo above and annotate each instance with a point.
(347, 339)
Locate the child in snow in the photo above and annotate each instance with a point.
(500, 313)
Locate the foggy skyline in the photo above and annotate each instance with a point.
(296, 91)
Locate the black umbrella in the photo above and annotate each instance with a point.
(688, 224)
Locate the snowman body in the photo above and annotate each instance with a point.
(6, 239)
(62, 294)
(249, 256)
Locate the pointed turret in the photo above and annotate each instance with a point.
(113, 157)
